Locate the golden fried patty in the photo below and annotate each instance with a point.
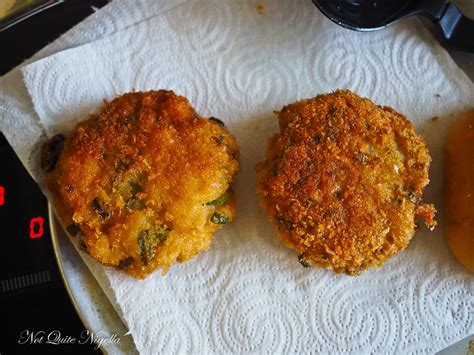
(344, 181)
(144, 183)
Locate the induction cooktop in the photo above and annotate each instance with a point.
(36, 315)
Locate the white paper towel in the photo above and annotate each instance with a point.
(248, 293)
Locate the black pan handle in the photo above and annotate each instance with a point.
(457, 29)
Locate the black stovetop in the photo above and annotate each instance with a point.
(34, 303)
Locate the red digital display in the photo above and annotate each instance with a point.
(2, 195)
(36, 227)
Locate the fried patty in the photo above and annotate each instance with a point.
(344, 180)
(145, 183)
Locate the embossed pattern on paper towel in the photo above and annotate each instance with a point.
(248, 293)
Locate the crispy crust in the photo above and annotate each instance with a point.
(137, 180)
(343, 181)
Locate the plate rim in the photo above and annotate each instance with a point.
(54, 231)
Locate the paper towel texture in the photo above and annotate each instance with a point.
(248, 293)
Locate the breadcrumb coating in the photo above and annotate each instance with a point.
(145, 183)
(344, 180)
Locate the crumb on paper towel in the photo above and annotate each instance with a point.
(434, 118)
(438, 96)
(260, 9)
